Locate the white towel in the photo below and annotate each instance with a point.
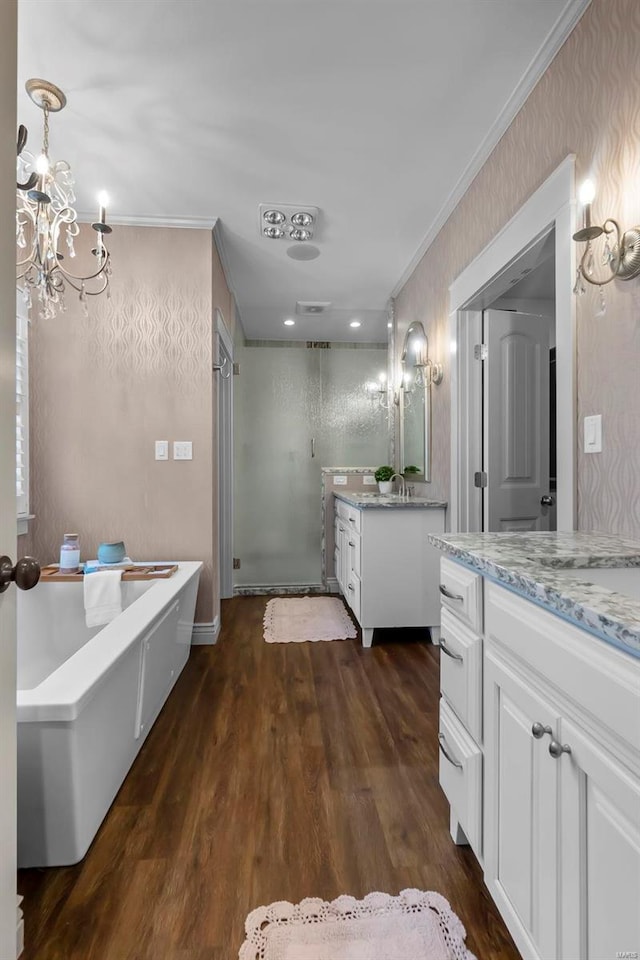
(102, 597)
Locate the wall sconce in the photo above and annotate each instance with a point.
(379, 389)
(622, 257)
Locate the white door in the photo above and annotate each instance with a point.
(8, 69)
(600, 852)
(516, 421)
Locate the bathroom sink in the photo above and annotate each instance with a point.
(624, 580)
(384, 497)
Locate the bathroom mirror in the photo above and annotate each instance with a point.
(415, 405)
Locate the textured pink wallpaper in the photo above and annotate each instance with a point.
(586, 103)
(104, 388)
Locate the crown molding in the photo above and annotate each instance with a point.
(178, 223)
(540, 63)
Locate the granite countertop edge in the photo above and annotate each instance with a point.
(611, 616)
(378, 503)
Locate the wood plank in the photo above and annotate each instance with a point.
(275, 771)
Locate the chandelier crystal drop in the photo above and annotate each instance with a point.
(47, 222)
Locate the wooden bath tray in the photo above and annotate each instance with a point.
(153, 571)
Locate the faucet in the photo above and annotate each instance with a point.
(403, 489)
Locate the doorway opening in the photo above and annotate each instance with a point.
(512, 332)
(224, 395)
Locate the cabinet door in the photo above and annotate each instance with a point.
(521, 811)
(600, 850)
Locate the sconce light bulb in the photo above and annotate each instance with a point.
(42, 164)
(587, 191)
(382, 377)
(103, 198)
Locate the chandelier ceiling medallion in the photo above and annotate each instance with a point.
(46, 218)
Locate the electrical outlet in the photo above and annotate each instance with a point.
(162, 449)
(182, 450)
(339, 481)
(369, 480)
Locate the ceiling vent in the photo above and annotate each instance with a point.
(312, 308)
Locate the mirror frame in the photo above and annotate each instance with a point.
(425, 476)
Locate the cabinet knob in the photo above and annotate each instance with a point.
(557, 749)
(538, 730)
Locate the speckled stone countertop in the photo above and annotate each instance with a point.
(366, 500)
(538, 566)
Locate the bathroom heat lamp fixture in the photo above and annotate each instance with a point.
(621, 252)
(45, 217)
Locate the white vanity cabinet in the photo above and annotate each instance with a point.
(385, 566)
(551, 715)
(562, 784)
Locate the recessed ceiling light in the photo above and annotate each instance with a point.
(354, 323)
(301, 219)
(274, 233)
(289, 323)
(299, 233)
(274, 216)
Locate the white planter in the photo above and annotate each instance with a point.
(385, 486)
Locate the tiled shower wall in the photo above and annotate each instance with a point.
(104, 388)
(586, 103)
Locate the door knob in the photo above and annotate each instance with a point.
(546, 501)
(26, 573)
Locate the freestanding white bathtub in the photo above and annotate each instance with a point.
(87, 699)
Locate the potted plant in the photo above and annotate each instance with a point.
(411, 470)
(383, 476)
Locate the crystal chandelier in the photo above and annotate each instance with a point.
(46, 218)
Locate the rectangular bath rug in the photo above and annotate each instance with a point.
(296, 619)
(412, 926)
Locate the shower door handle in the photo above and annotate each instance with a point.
(26, 573)
(313, 447)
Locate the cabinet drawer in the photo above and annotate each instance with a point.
(352, 594)
(461, 592)
(460, 772)
(461, 672)
(354, 518)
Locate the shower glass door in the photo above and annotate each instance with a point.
(297, 409)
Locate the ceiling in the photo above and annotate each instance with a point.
(378, 112)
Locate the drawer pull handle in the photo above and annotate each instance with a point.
(450, 653)
(445, 753)
(351, 520)
(449, 595)
(351, 587)
(557, 749)
(538, 730)
(351, 543)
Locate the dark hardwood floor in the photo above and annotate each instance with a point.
(274, 772)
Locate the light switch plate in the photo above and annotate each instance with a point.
(369, 480)
(339, 480)
(182, 450)
(593, 434)
(162, 449)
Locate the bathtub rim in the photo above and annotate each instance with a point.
(63, 694)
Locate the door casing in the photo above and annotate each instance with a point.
(552, 206)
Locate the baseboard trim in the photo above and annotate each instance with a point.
(332, 585)
(205, 633)
(278, 589)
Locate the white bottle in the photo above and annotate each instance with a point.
(70, 554)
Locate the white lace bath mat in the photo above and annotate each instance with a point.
(295, 619)
(412, 926)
